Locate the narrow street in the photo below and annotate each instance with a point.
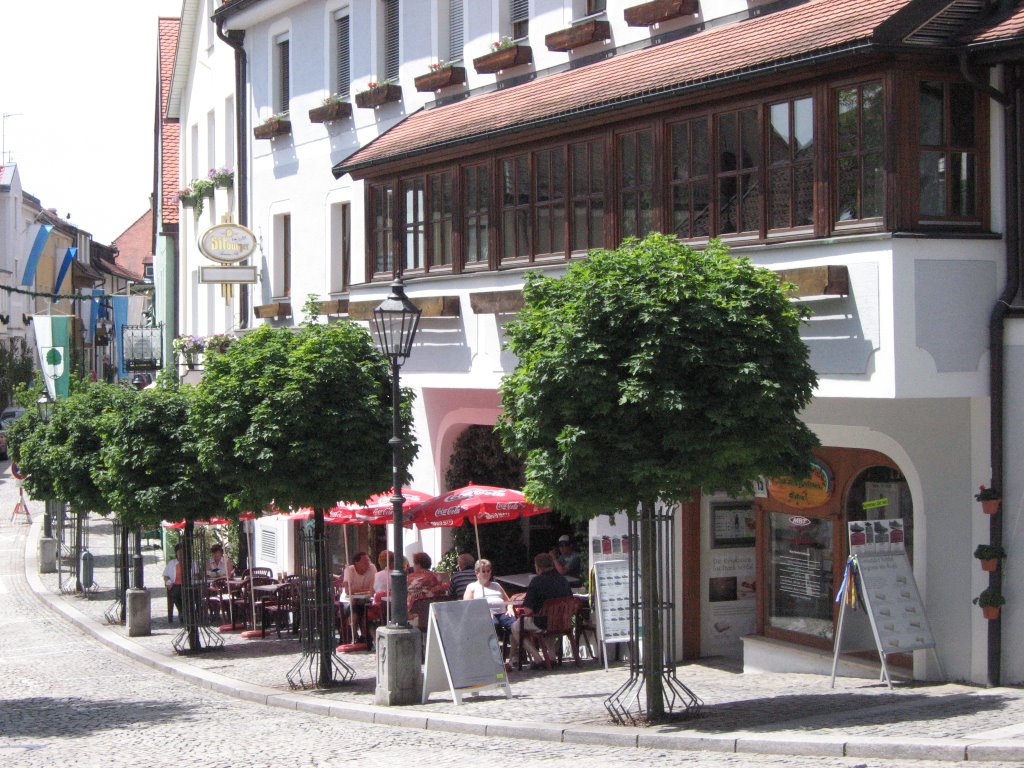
(67, 700)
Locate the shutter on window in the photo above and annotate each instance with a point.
(520, 16)
(455, 44)
(391, 60)
(283, 95)
(342, 74)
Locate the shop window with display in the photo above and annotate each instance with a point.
(800, 574)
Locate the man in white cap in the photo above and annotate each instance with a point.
(567, 562)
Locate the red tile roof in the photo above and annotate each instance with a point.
(795, 34)
(1001, 31)
(169, 130)
(135, 247)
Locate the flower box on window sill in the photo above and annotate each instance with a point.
(646, 14)
(277, 309)
(578, 35)
(440, 78)
(503, 58)
(336, 110)
(378, 94)
(275, 126)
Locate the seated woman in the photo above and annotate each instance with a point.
(491, 591)
(423, 582)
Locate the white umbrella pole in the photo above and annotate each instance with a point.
(476, 530)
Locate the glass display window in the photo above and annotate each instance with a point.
(800, 574)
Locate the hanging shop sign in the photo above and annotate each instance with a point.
(812, 491)
(227, 243)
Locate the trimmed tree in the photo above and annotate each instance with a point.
(646, 373)
(301, 418)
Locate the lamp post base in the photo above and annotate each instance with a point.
(399, 676)
(138, 615)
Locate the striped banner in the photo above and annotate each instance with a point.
(69, 257)
(53, 340)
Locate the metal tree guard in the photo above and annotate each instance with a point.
(652, 568)
(196, 634)
(115, 614)
(319, 666)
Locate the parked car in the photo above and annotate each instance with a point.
(7, 416)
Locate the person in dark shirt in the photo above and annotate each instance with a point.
(567, 562)
(463, 577)
(548, 583)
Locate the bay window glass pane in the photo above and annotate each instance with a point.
(597, 168)
(931, 113)
(872, 112)
(750, 203)
(680, 152)
(701, 226)
(846, 105)
(803, 129)
(778, 139)
(873, 201)
(933, 183)
(963, 184)
(627, 155)
(596, 234)
(681, 210)
(800, 574)
(751, 154)
(701, 151)
(803, 196)
(778, 203)
(961, 98)
(580, 225)
(645, 142)
(846, 189)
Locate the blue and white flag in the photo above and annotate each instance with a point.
(69, 257)
(28, 279)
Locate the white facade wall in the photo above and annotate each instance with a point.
(902, 360)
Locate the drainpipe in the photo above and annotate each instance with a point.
(236, 38)
(1009, 98)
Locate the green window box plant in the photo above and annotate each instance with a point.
(222, 177)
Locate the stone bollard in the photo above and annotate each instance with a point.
(47, 555)
(139, 618)
(399, 676)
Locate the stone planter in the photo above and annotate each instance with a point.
(578, 35)
(273, 127)
(336, 110)
(513, 56)
(441, 78)
(646, 14)
(380, 94)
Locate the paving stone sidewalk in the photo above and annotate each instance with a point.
(798, 714)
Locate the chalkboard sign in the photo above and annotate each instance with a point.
(885, 583)
(611, 603)
(462, 650)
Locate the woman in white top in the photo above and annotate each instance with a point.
(485, 589)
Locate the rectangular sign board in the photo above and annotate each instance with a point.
(240, 274)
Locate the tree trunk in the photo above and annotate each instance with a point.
(323, 600)
(653, 652)
(188, 588)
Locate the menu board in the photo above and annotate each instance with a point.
(611, 603)
(462, 650)
(894, 603)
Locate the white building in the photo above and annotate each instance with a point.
(842, 144)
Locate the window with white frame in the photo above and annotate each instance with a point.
(229, 132)
(341, 247)
(519, 18)
(390, 59)
(342, 53)
(283, 255)
(282, 74)
(211, 141)
(193, 135)
(456, 33)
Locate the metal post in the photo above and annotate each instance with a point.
(137, 569)
(399, 581)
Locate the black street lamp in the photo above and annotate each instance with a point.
(396, 321)
(399, 679)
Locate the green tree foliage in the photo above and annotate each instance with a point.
(150, 469)
(652, 370)
(17, 367)
(63, 456)
(301, 417)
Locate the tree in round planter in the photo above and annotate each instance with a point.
(990, 601)
(989, 499)
(989, 555)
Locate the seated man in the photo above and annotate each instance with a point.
(357, 582)
(463, 577)
(567, 562)
(548, 583)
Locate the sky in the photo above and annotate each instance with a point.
(78, 89)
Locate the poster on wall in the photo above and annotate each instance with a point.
(876, 536)
(731, 609)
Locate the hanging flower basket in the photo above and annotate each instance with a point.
(222, 177)
(989, 499)
(330, 110)
(990, 612)
(990, 602)
(377, 94)
(503, 57)
(439, 78)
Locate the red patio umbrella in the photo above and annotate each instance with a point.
(175, 526)
(377, 509)
(476, 503)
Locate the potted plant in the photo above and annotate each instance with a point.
(505, 53)
(378, 93)
(334, 107)
(221, 177)
(275, 125)
(187, 197)
(200, 188)
(989, 555)
(989, 499)
(217, 342)
(990, 600)
(441, 75)
(188, 348)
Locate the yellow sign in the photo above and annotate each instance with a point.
(227, 243)
(813, 491)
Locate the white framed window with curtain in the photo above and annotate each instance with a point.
(341, 53)
(282, 73)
